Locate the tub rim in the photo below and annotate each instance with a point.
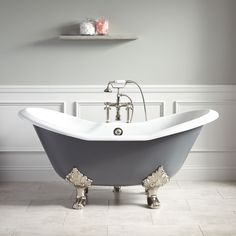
(196, 118)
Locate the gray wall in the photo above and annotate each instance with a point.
(180, 42)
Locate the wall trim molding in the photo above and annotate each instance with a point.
(99, 88)
(177, 103)
(213, 150)
(62, 104)
(26, 168)
(22, 149)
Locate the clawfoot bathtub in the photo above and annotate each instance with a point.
(117, 154)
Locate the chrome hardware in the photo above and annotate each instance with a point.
(116, 189)
(118, 131)
(152, 183)
(81, 183)
(119, 84)
(153, 202)
(130, 109)
(107, 108)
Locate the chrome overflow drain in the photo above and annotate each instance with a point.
(118, 131)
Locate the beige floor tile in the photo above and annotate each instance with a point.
(129, 218)
(184, 218)
(212, 204)
(219, 230)
(78, 218)
(96, 205)
(46, 209)
(138, 230)
(34, 191)
(94, 213)
(178, 194)
(140, 204)
(30, 220)
(14, 205)
(64, 231)
(173, 205)
(50, 205)
(6, 232)
(227, 193)
(30, 196)
(205, 184)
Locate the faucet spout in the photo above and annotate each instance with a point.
(118, 84)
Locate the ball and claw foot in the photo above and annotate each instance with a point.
(151, 184)
(153, 202)
(116, 189)
(81, 184)
(80, 203)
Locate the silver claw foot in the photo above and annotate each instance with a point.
(116, 189)
(81, 183)
(80, 203)
(152, 183)
(153, 202)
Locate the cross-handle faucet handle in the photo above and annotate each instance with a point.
(107, 108)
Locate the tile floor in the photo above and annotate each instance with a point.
(187, 208)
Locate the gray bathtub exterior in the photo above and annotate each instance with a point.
(119, 163)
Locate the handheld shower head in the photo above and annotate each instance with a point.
(115, 84)
(107, 89)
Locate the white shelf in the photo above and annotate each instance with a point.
(98, 37)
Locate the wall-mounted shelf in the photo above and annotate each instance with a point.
(98, 37)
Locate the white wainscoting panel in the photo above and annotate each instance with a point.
(219, 135)
(213, 156)
(16, 134)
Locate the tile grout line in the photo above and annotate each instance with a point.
(217, 190)
(27, 207)
(14, 231)
(177, 181)
(201, 230)
(188, 204)
(40, 186)
(66, 215)
(151, 218)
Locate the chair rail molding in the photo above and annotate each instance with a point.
(131, 88)
(213, 156)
